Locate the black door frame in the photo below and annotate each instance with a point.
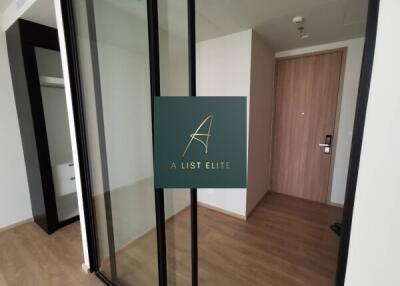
(76, 93)
(154, 57)
(356, 143)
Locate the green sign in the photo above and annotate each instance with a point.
(200, 142)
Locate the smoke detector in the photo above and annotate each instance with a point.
(298, 20)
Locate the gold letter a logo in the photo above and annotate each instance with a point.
(200, 136)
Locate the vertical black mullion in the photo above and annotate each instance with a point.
(356, 144)
(191, 6)
(154, 55)
(193, 214)
(102, 138)
(161, 240)
(80, 129)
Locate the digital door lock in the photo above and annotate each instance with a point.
(327, 145)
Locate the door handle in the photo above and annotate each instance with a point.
(327, 145)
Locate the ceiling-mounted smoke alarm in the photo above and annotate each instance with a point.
(298, 20)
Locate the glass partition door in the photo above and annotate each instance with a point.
(112, 39)
(126, 58)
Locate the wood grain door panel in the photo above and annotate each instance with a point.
(306, 102)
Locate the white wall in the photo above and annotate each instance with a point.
(374, 244)
(223, 69)
(15, 204)
(174, 76)
(261, 121)
(241, 64)
(347, 108)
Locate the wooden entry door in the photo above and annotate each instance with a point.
(306, 102)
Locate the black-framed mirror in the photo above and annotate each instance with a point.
(40, 99)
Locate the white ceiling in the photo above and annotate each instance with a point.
(326, 20)
(4, 4)
(42, 12)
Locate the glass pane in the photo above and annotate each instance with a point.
(272, 53)
(173, 35)
(57, 129)
(123, 69)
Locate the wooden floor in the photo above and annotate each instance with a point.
(286, 241)
(30, 257)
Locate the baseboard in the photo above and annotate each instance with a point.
(17, 224)
(257, 204)
(124, 247)
(225, 212)
(335, 205)
(85, 268)
(324, 203)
